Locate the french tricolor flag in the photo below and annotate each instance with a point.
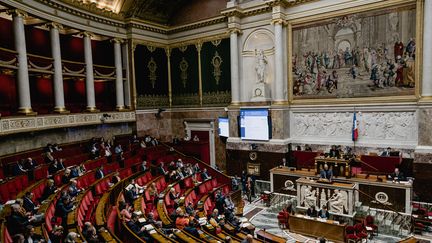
(355, 128)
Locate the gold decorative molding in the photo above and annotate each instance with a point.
(17, 12)
(286, 3)
(117, 40)
(11, 125)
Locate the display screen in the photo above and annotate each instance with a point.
(255, 124)
(223, 127)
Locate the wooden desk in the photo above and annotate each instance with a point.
(269, 237)
(284, 180)
(317, 229)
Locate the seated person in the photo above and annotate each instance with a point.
(191, 228)
(66, 176)
(54, 167)
(31, 236)
(116, 178)
(182, 221)
(28, 203)
(99, 173)
(73, 189)
(323, 213)
(397, 175)
(334, 152)
(125, 211)
(174, 196)
(284, 162)
(326, 173)
(387, 152)
(49, 189)
(307, 148)
(205, 175)
(189, 208)
(312, 212)
(138, 229)
(130, 194)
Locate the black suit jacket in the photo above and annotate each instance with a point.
(99, 174)
(28, 205)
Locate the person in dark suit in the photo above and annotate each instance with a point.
(312, 212)
(63, 208)
(17, 221)
(99, 173)
(161, 170)
(307, 148)
(54, 167)
(326, 173)
(397, 175)
(334, 152)
(28, 203)
(19, 168)
(49, 189)
(135, 226)
(386, 153)
(205, 175)
(191, 229)
(323, 213)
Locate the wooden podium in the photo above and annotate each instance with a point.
(339, 197)
(340, 167)
(329, 229)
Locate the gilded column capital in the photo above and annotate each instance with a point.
(279, 21)
(17, 12)
(235, 30)
(87, 34)
(54, 25)
(117, 40)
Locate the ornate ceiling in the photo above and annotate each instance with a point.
(158, 11)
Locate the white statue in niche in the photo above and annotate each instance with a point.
(261, 65)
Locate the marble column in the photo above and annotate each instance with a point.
(126, 66)
(24, 100)
(119, 74)
(279, 62)
(426, 90)
(58, 73)
(234, 55)
(90, 92)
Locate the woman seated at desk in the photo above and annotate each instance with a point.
(323, 213)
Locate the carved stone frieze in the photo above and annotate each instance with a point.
(392, 127)
(24, 124)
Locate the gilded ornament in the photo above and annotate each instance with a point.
(152, 66)
(217, 62)
(183, 68)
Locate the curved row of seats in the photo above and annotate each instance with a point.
(83, 181)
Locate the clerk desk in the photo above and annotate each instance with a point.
(329, 229)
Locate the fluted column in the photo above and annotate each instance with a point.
(119, 74)
(426, 90)
(279, 62)
(24, 100)
(126, 66)
(234, 56)
(90, 92)
(57, 63)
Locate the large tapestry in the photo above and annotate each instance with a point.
(367, 54)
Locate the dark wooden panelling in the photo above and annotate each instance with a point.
(237, 162)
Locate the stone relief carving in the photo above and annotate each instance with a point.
(372, 125)
(12, 125)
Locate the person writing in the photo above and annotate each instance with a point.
(397, 175)
(326, 173)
